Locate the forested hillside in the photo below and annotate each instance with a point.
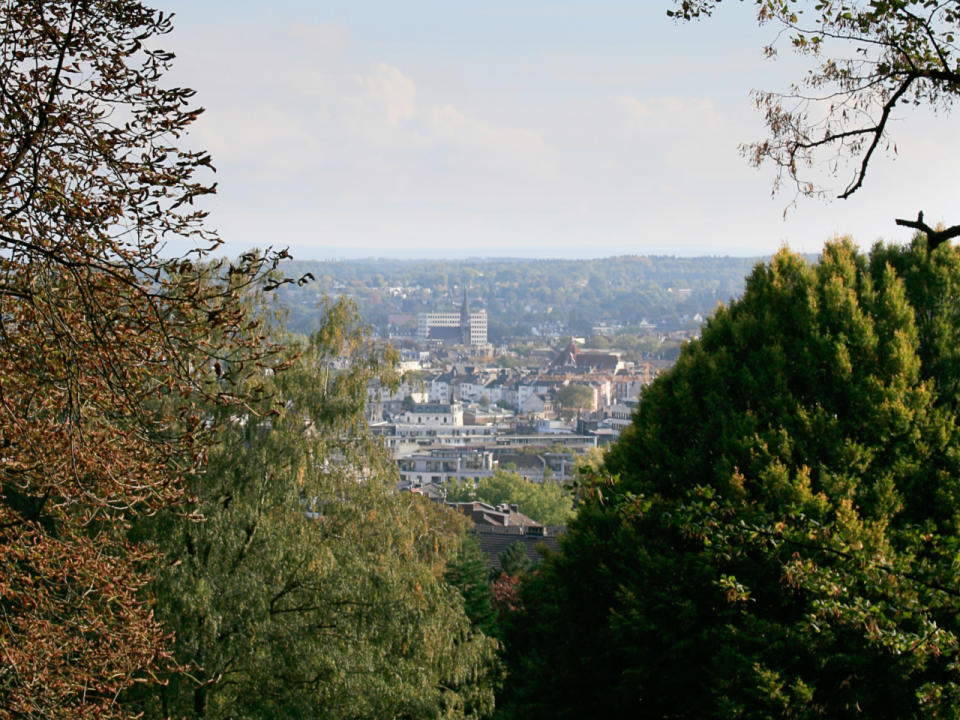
(521, 294)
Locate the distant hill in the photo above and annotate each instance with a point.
(520, 294)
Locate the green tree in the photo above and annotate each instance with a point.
(514, 560)
(588, 465)
(870, 58)
(575, 397)
(468, 573)
(311, 588)
(548, 503)
(777, 537)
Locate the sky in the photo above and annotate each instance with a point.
(518, 128)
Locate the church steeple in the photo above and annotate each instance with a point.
(465, 319)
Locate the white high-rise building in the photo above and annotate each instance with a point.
(464, 327)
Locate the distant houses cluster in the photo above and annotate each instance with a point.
(461, 413)
(457, 422)
(460, 403)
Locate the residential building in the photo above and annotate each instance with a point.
(433, 415)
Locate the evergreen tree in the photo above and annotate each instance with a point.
(778, 532)
(514, 560)
(468, 573)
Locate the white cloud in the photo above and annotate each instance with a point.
(298, 106)
(449, 125)
(686, 138)
(426, 132)
(271, 142)
(392, 90)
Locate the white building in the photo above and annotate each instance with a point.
(464, 327)
(428, 325)
(434, 415)
(619, 416)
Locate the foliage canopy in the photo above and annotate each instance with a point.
(870, 59)
(548, 503)
(105, 346)
(779, 532)
(575, 397)
(312, 588)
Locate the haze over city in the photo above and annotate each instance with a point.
(535, 129)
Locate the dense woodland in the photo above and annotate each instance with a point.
(195, 521)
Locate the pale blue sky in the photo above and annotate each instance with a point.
(536, 129)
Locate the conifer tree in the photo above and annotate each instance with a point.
(469, 574)
(777, 533)
(514, 560)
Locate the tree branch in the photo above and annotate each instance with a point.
(877, 134)
(934, 237)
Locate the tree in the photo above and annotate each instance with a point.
(514, 560)
(575, 397)
(107, 347)
(547, 503)
(468, 573)
(871, 59)
(312, 588)
(777, 532)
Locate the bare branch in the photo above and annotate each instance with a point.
(878, 131)
(934, 237)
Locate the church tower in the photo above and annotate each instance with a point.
(465, 335)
